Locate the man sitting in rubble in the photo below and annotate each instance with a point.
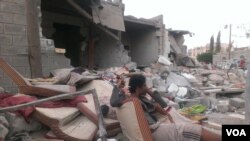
(161, 131)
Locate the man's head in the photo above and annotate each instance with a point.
(137, 84)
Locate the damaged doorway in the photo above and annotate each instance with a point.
(69, 37)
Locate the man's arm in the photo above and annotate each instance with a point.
(157, 97)
(118, 96)
(162, 111)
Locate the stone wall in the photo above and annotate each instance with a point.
(13, 40)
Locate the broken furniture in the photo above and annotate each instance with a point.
(67, 123)
(26, 87)
(62, 121)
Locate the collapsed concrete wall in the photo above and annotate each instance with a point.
(110, 53)
(176, 38)
(144, 39)
(13, 40)
(144, 47)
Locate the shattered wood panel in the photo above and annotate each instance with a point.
(110, 16)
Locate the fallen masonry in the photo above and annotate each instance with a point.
(219, 99)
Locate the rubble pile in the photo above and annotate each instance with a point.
(194, 91)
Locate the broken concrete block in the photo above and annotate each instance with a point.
(206, 102)
(177, 79)
(147, 70)
(223, 108)
(19, 124)
(226, 82)
(232, 108)
(172, 89)
(3, 132)
(155, 80)
(237, 102)
(3, 121)
(131, 66)
(193, 93)
(182, 92)
(161, 88)
(149, 82)
(2, 90)
(164, 61)
(216, 78)
(190, 77)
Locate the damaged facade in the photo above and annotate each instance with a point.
(144, 39)
(75, 33)
(80, 34)
(176, 39)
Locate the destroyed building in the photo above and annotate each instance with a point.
(74, 33)
(144, 38)
(176, 39)
(38, 36)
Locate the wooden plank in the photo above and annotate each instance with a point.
(91, 51)
(34, 49)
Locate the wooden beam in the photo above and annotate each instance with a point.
(34, 49)
(80, 10)
(91, 51)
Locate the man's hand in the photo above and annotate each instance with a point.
(150, 91)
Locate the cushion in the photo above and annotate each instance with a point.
(67, 123)
(103, 89)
